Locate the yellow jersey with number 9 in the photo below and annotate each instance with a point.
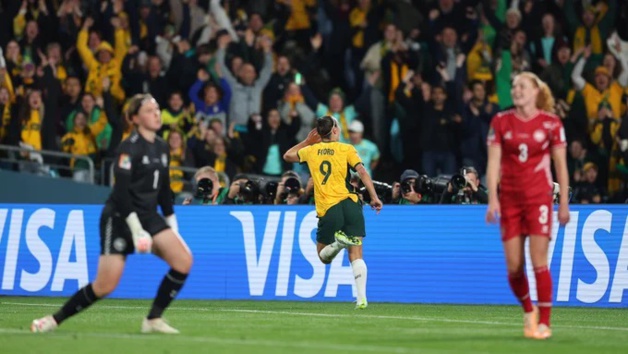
(330, 164)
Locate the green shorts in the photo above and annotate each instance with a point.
(346, 216)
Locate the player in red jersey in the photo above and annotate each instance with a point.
(522, 142)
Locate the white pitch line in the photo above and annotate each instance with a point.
(382, 317)
(411, 318)
(214, 340)
(313, 314)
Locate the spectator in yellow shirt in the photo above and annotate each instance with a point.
(53, 52)
(30, 118)
(95, 115)
(176, 117)
(299, 23)
(82, 141)
(605, 90)
(107, 62)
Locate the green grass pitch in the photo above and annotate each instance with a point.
(112, 326)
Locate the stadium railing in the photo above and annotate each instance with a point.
(11, 158)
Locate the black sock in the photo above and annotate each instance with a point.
(168, 290)
(81, 300)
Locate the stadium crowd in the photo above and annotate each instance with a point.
(413, 83)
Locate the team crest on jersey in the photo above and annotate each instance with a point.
(508, 135)
(124, 162)
(145, 160)
(164, 160)
(539, 135)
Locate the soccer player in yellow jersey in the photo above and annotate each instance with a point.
(339, 210)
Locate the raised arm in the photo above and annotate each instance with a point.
(222, 19)
(226, 94)
(119, 46)
(195, 89)
(81, 44)
(623, 77)
(576, 76)
(267, 69)
(221, 55)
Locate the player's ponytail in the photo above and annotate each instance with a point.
(545, 99)
(324, 125)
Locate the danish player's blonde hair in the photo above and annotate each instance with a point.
(545, 99)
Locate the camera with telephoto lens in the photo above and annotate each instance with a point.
(408, 186)
(458, 182)
(291, 185)
(204, 189)
(383, 191)
(432, 188)
(250, 192)
(422, 185)
(440, 183)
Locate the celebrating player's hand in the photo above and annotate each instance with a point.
(493, 213)
(376, 204)
(563, 214)
(313, 137)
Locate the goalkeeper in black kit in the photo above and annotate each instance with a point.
(130, 223)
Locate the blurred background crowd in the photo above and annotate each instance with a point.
(413, 83)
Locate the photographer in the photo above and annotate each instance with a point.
(468, 191)
(406, 191)
(244, 191)
(288, 191)
(207, 189)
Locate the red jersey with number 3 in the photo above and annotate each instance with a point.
(526, 144)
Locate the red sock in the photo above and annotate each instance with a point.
(544, 291)
(519, 285)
